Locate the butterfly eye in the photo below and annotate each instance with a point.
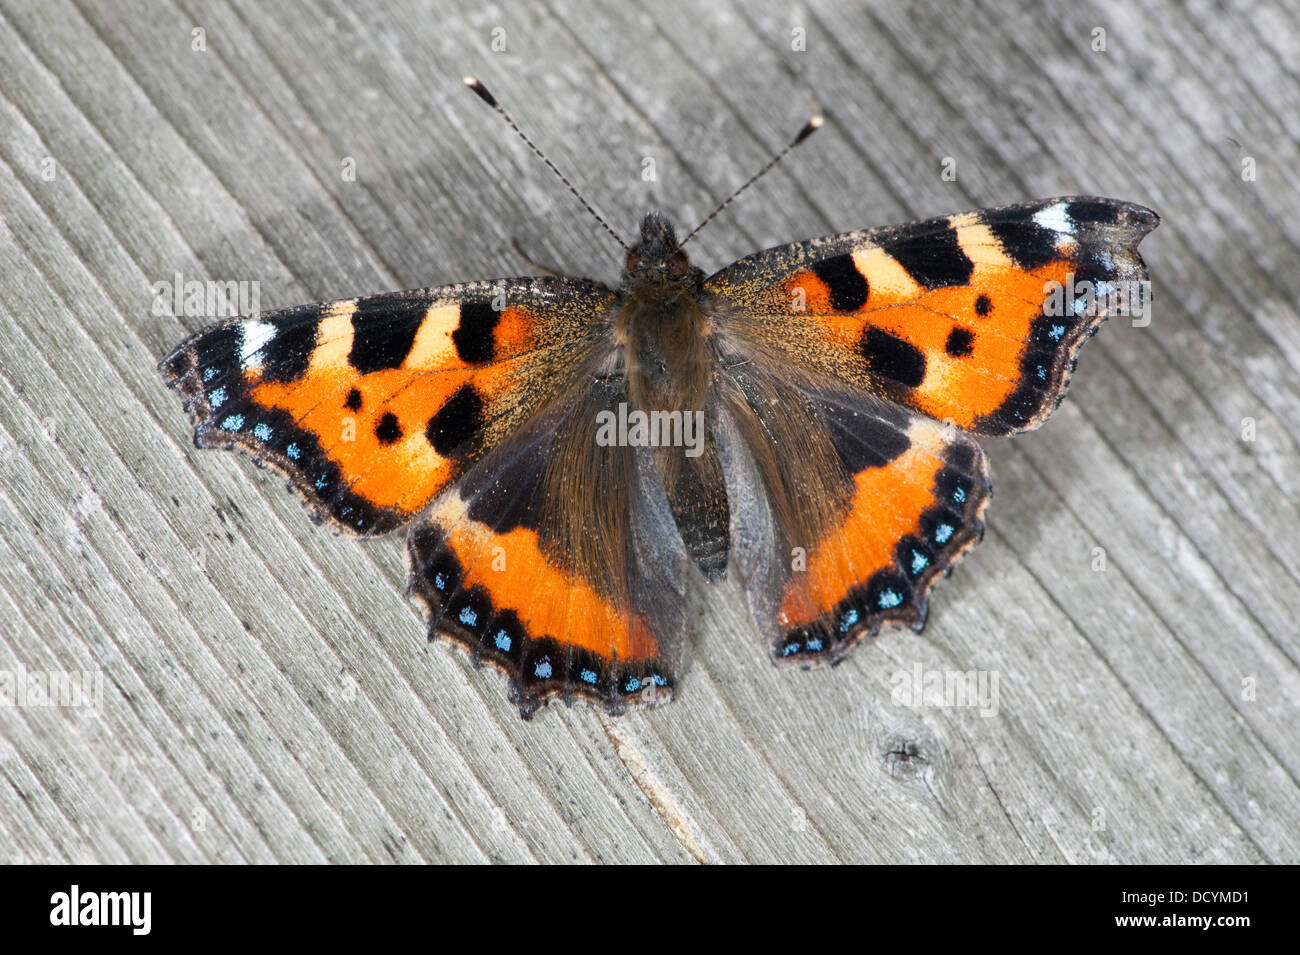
(633, 262)
(678, 265)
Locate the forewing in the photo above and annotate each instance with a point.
(975, 318)
(373, 406)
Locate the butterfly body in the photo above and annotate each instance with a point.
(663, 333)
(566, 456)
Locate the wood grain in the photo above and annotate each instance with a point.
(267, 694)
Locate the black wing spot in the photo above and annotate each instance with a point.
(1093, 210)
(353, 402)
(983, 305)
(473, 335)
(388, 430)
(959, 342)
(863, 440)
(383, 332)
(934, 260)
(890, 357)
(1026, 243)
(510, 500)
(848, 287)
(286, 356)
(456, 421)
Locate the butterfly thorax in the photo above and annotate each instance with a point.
(661, 325)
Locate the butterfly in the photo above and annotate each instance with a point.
(565, 456)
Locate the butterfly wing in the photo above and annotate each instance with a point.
(373, 406)
(556, 560)
(852, 365)
(975, 318)
(845, 507)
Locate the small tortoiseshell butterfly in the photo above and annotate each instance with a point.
(564, 453)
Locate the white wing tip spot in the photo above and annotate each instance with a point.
(255, 336)
(1056, 217)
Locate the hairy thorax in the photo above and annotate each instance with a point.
(663, 332)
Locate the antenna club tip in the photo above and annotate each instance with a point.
(479, 89)
(814, 123)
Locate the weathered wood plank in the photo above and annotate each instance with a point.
(267, 695)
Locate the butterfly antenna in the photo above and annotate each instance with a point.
(814, 123)
(483, 93)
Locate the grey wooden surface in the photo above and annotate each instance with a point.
(267, 694)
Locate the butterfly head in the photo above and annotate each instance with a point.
(657, 259)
